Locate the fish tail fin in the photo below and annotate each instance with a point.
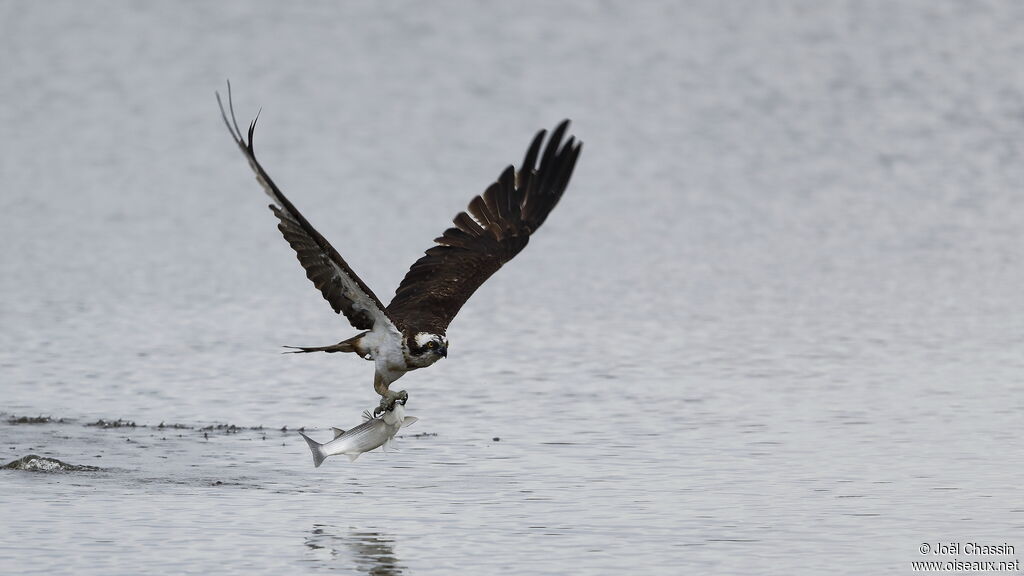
(317, 449)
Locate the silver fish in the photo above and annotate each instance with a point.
(373, 432)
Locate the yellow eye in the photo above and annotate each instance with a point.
(431, 344)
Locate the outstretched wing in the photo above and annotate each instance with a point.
(495, 228)
(329, 272)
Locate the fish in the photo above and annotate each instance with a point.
(373, 432)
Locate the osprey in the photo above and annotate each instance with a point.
(409, 333)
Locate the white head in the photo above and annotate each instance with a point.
(425, 348)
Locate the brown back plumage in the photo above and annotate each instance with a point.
(496, 227)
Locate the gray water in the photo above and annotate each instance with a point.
(774, 326)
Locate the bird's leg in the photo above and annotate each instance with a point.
(388, 397)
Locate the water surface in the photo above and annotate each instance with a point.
(773, 327)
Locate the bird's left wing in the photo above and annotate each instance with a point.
(329, 272)
(496, 227)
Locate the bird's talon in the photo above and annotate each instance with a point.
(388, 401)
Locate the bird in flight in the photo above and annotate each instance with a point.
(409, 333)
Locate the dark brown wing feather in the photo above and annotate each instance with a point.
(496, 227)
(329, 272)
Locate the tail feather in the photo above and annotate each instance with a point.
(339, 347)
(349, 345)
(317, 449)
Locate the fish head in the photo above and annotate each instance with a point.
(395, 416)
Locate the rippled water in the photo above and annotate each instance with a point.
(775, 325)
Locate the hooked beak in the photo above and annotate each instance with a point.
(443, 351)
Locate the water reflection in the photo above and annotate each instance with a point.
(372, 552)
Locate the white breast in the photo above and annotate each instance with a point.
(386, 347)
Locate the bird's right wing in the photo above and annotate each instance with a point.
(329, 272)
(496, 226)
